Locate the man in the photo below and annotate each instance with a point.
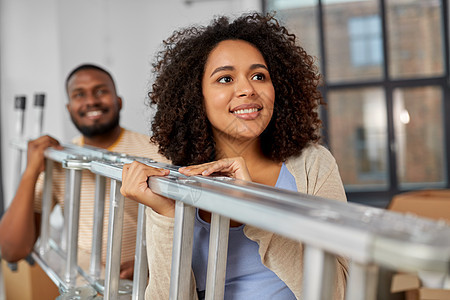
(94, 108)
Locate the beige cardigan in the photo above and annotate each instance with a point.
(315, 173)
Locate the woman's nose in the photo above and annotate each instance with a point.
(244, 88)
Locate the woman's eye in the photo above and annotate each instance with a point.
(225, 79)
(258, 77)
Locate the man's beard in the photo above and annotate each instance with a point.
(97, 129)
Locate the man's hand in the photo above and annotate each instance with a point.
(126, 270)
(19, 226)
(35, 152)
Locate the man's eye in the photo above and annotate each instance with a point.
(258, 77)
(78, 95)
(225, 79)
(100, 92)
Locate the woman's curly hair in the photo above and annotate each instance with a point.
(180, 126)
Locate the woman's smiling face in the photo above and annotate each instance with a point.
(237, 90)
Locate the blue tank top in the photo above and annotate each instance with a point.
(246, 277)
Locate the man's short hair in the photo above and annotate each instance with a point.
(88, 67)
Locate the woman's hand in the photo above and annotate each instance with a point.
(232, 167)
(135, 187)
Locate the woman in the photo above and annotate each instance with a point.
(238, 98)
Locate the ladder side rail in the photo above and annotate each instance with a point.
(268, 214)
(97, 229)
(140, 258)
(114, 242)
(365, 234)
(217, 257)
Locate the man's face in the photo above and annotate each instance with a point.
(94, 106)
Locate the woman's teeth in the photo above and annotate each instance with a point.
(245, 111)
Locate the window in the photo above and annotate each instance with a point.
(357, 125)
(365, 41)
(385, 65)
(419, 132)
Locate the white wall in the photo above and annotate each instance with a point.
(40, 41)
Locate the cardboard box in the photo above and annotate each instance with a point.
(27, 283)
(432, 204)
(410, 284)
